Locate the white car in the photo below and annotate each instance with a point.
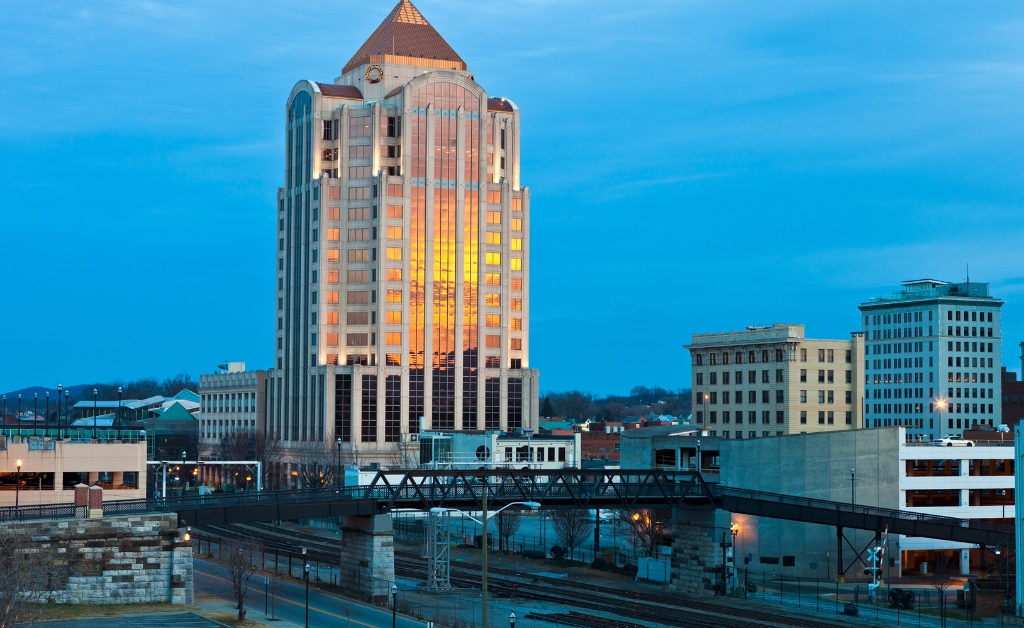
(953, 440)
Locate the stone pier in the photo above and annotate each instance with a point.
(368, 555)
(697, 550)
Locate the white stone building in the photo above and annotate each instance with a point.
(402, 239)
(932, 358)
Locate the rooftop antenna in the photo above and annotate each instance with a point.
(968, 279)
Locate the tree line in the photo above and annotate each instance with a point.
(640, 401)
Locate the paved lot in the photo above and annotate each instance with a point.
(149, 620)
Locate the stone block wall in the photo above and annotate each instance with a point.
(368, 555)
(696, 563)
(113, 560)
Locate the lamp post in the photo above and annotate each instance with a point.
(483, 541)
(394, 605)
(46, 422)
(184, 456)
(4, 418)
(19, 406)
(35, 412)
(853, 486)
(704, 401)
(337, 471)
(17, 482)
(95, 409)
(67, 400)
(939, 404)
(305, 571)
(698, 455)
(512, 621)
(119, 391)
(60, 390)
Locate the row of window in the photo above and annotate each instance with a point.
(228, 402)
(896, 318)
(727, 416)
(826, 396)
(751, 357)
(899, 378)
(896, 393)
(712, 397)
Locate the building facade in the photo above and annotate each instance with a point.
(233, 401)
(771, 381)
(932, 362)
(1013, 394)
(402, 252)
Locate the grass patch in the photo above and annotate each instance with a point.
(231, 619)
(53, 612)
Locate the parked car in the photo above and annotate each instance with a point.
(953, 440)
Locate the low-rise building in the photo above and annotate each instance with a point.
(231, 401)
(493, 449)
(1013, 395)
(772, 381)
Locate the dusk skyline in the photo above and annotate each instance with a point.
(728, 165)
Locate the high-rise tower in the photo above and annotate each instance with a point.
(402, 253)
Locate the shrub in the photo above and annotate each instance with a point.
(534, 554)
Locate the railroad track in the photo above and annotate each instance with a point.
(661, 608)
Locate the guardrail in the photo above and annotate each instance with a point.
(34, 513)
(979, 443)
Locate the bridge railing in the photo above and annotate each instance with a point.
(33, 513)
(903, 515)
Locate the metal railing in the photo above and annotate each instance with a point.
(32, 513)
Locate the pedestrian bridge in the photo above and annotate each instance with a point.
(563, 488)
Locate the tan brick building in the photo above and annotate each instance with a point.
(770, 381)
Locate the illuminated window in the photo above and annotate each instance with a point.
(517, 263)
(494, 196)
(517, 204)
(517, 224)
(493, 237)
(492, 279)
(360, 296)
(332, 296)
(394, 296)
(394, 233)
(517, 283)
(330, 318)
(358, 255)
(394, 274)
(517, 304)
(334, 213)
(493, 300)
(359, 172)
(517, 344)
(492, 342)
(358, 213)
(393, 338)
(493, 259)
(517, 244)
(394, 211)
(358, 276)
(333, 255)
(333, 192)
(393, 359)
(332, 276)
(332, 358)
(516, 324)
(494, 218)
(394, 253)
(493, 320)
(332, 340)
(393, 317)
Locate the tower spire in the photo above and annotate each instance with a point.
(406, 37)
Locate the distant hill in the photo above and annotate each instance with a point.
(76, 390)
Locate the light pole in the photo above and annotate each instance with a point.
(35, 412)
(483, 541)
(306, 573)
(118, 417)
(698, 455)
(17, 482)
(704, 417)
(95, 409)
(939, 404)
(853, 486)
(512, 621)
(337, 471)
(67, 411)
(394, 605)
(46, 424)
(60, 390)
(184, 456)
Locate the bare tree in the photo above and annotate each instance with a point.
(242, 560)
(28, 573)
(252, 445)
(645, 526)
(318, 463)
(942, 579)
(571, 527)
(508, 521)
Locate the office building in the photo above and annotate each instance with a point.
(402, 237)
(932, 361)
(231, 401)
(770, 381)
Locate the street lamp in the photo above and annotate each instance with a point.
(306, 574)
(95, 409)
(853, 486)
(698, 455)
(940, 403)
(67, 400)
(47, 419)
(35, 412)
(17, 482)
(119, 391)
(394, 605)
(483, 541)
(337, 468)
(512, 621)
(184, 456)
(60, 390)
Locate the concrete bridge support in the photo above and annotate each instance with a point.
(368, 555)
(697, 552)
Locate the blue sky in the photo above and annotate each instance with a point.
(695, 166)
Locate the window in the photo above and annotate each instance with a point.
(803, 417)
(357, 255)
(358, 213)
(359, 127)
(394, 211)
(780, 396)
(803, 375)
(394, 274)
(394, 233)
(517, 304)
(821, 355)
(516, 324)
(334, 192)
(356, 194)
(493, 237)
(333, 255)
(700, 379)
(333, 235)
(831, 355)
(492, 279)
(764, 396)
(358, 276)
(332, 340)
(493, 259)
(358, 235)
(492, 300)
(517, 223)
(831, 396)
(803, 396)
(821, 376)
(332, 296)
(517, 283)
(359, 152)
(492, 342)
(391, 126)
(394, 296)
(394, 254)
(492, 320)
(821, 396)
(517, 263)
(517, 244)
(494, 196)
(393, 338)
(778, 375)
(393, 317)
(849, 377)
(517, 344)
(359, 172)
(328, 133)
(494, 218)
(357, 340)
(831, 377)
(849, 357)
(357, 318)
(356, 297)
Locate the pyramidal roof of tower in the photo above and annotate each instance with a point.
(406, 37)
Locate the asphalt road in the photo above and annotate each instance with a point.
(324, 609)
(154, 620)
